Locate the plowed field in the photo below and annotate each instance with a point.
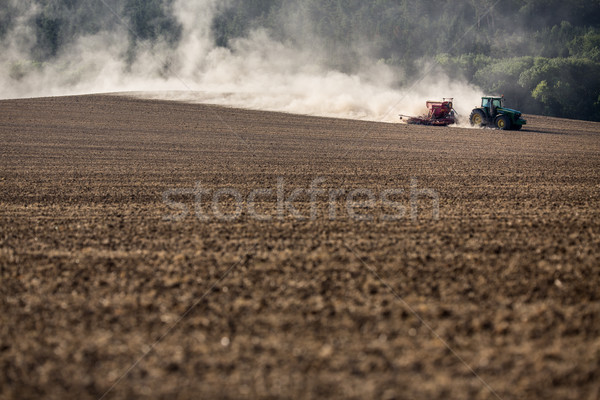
(155, 249)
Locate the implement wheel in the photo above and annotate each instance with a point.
(477, 118)
(502, 122)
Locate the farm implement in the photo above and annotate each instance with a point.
(441, 113)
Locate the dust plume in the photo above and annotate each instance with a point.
(255, 71)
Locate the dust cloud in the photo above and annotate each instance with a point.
(257, 72)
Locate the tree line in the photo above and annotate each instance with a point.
(543, 55)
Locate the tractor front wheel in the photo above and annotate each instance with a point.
(517, 127)
(477, 118)
(502, 122)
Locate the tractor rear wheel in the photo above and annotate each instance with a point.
(477, 118)
(502, 122)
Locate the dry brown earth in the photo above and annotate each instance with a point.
(102, 297)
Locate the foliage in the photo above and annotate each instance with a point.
(59, 22)
(502, 77)
(151, 20)
(565, 86)
(544, 55)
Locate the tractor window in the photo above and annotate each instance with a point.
(485, 103)
(497, 103)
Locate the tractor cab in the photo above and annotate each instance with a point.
(492, 104)
(496, 101)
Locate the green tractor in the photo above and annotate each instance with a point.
(493, 113)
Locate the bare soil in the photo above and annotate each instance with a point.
(102, 296)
